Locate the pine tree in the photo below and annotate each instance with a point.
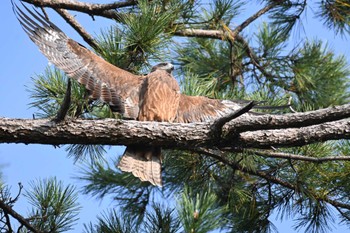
(235, 190)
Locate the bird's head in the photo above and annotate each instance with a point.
(168, 67)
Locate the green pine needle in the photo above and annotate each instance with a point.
(55, 206)
(199, 212)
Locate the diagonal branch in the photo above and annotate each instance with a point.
(252, 18)
(8, 210)
(75, 24)
(216, 127)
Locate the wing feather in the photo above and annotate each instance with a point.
(104, 80)
(203, 109)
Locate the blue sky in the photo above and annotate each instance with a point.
(21, 60)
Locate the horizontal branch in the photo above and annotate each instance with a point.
(213, 34)
(167, 135)
(291, 120)
(295, 136)
(282, 155)
(103, 132)
(104, 10)
(81, 6)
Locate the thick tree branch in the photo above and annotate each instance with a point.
(174, 135)
(295, 136)
(104, 10)
(82, 6)
(104, 132)
(291, 120)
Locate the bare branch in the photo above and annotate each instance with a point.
(292, 120)
(104, 10)
(248, 21)
(81, 6)
(216, 127)
(82, 32)
(175, 135)
(281, 155)
(8, 210)
(8, 222)
(62, 112)
(295, 136)
(201, 33)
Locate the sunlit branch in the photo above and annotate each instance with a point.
(82, 6)
(104, 10)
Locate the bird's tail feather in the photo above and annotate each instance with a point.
(143, 162)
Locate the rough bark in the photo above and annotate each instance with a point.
(104, 10)
(244, 132)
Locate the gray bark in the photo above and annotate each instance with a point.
(262, 131)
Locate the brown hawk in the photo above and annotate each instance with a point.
(154, 97)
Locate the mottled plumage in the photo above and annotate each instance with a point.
(155, 97)
(159, 101)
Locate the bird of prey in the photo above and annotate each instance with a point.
(152, 97)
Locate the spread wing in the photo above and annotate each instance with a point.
(201, 109)
(104, 81)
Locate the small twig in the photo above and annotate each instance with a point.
(216, 127)
(8, 210)
(8, 222)
(62, 112)
(18, 194)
